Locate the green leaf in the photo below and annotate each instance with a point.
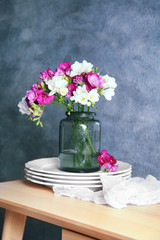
(31, 110)
(96, 70)
(41, 124)
(42, 84)
(37, 123)
(35, 119)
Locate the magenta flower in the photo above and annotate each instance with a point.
(37, 94)
(107, 161)
(78, 79)
(34, 87)
(88, 87)
(47, 74)
(112, 160)
(59, 72)
(113, 168)
(31, 96)
(95, 80)
(110, 168)
(44, 98)
(71, 88)
(107, 165)
(65, 66)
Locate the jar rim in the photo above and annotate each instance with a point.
(81, 114)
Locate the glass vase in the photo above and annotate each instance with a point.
(79, 142)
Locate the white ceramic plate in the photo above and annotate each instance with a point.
(93, 187)
(59, 178)
(63, 181)
(68, 177)
(50, 166)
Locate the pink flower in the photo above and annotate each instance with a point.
(112, 160)
(107, 165)
(31, 96)
(47, 74)
(63, 68)
(37, 94)
(59, 72)
(95, 80)
(71, 88)
(104, 158)
(81, 79)
(44, 98)
(110, 168)
(113, 168)
(78, 79)
(34, 87)
(107, 161)
(88, 87)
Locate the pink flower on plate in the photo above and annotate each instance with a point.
(94, 80)
(113, 168)
(112, 160)
(107, 161)
(107, 165)
(110, 168)
(104, 158)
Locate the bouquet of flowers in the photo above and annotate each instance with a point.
(75, 87)
(71, 87)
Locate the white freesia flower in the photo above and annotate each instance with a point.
(108, 93)
(78, 68)
(80, 95)
(87, 67)
(23, 107)
(56, 85)
(64, 91)
(83, 98)
(110, 82)
(93, 95)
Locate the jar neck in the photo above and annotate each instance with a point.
(81, 115)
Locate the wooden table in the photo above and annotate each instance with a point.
(79, 220)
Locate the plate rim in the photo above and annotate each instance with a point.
(63, 181)
(69, 178)
(65, 173)
(67, 185)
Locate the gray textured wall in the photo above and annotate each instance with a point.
(121, 38)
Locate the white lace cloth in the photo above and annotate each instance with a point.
(117, 191)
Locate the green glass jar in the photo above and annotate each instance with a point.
(79, 142)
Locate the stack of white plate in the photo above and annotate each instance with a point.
(45, 172)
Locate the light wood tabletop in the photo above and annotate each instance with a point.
(79, 219)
